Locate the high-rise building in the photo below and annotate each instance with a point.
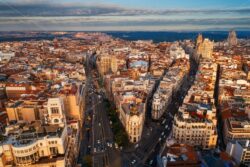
(103, 63)
(205, 49)
(199, 39)
(232, 38)
(114, 65)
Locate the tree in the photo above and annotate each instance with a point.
(1, 137)
(87, 161)
(243, 165)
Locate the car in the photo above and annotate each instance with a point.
(116, 146)
(133, 161)
(109, 144)
(163, 121)
(166, 127)
(160, 139)
(151, 162)
(137, 145)
(98, 141)
(162, 133)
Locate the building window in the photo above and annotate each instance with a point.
(42, 153)
(20, 116)
(54, 110)
(53, 151)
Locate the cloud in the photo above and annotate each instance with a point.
(49, 8)
(48, 15)
(114, 23)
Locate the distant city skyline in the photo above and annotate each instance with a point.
(119, 15)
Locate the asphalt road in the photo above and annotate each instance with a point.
(97, 137)
(103, 147)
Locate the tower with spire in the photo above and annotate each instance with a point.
(204, 47)
(199, 39)
(232, 38)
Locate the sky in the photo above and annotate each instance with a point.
(124, 15)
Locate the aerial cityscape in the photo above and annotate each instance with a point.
(106, 84)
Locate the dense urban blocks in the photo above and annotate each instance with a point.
(93, 100)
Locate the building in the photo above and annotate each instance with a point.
(236, 128)
(15, 90)
(205, 49)
(131, 110)
(132, 116)
(232, 38)
(114, 64)
(199, 40)
(103, 63)
(55, 112)
(34, 144)
(26, 110)
(73, 99)
(179, 155)
(49, 142)
(194, 131)
(6, 56)
(240, 151)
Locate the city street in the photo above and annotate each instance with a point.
(98, 139)
(104, 152)
(155, 133)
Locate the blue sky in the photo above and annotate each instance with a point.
(118, 15)
(154, 4)
(168, 4)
